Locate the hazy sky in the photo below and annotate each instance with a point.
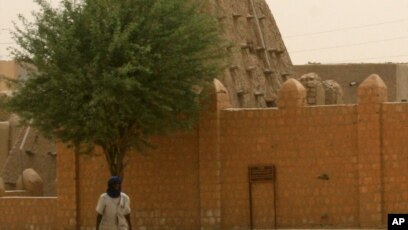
(360, 30)
(326, 31)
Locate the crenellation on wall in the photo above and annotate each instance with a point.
(292, 95)
(371, 93)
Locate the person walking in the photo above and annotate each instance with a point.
(113, 208)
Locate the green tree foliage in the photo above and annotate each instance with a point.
(112, 73)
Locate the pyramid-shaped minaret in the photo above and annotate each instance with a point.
(259, 62)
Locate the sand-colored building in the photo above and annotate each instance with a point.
(349, 76)
(11, 69)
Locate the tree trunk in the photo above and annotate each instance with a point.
(114, 156)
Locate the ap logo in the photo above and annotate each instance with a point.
(397, 221)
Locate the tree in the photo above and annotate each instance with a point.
(113, 73)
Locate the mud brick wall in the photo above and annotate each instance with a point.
(395, 157)
(28, 213)
(167, 189)
(91, 180)
(303, 144)
(59, 212)
(162, 185)
(67, 189)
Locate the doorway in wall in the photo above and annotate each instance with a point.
(262, 197)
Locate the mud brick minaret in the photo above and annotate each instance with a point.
(259, 61)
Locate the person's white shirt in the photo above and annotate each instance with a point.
(113, 211)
